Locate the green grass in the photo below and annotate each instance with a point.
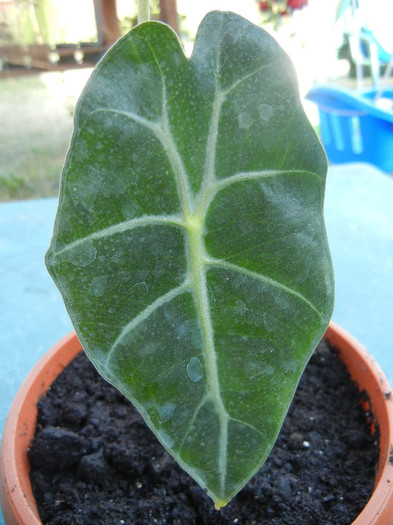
(36, 126)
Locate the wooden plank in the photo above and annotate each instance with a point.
(168, 10)
(34, 56)
(108, 25)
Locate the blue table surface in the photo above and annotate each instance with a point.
(359, 218)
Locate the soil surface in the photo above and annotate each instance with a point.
(95, 462)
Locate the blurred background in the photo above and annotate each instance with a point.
(49, 47)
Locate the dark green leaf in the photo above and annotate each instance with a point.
(189, 244)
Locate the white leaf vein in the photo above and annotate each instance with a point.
(121, 227)
(198, 408)
(246, 77)
(143, 315)
(220, 263)
(242, 422)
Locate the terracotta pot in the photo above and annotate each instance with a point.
(16, 496)
(17, 500)
(369, 377)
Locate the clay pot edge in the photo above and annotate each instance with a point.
(369, 376)
(16, 497)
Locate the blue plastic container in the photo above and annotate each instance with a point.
(354, 126)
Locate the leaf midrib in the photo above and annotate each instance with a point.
(194, 225)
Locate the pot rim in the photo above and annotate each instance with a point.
(16, 496)
(364, 370)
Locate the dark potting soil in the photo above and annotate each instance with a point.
(95, 462)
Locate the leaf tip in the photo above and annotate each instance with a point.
(218, 504)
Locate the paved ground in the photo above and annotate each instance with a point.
(359, 216)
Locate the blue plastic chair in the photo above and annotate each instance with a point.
(354, 128)
(367, 37)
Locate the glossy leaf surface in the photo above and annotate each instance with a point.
(189, 244)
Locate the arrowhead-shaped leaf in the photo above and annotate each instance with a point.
(189, 243)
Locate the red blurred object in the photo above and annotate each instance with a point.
(267, 5)
(297, 4)
(264, 5)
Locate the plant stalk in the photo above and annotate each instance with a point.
(143, 11)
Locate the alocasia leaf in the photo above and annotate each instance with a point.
(189, 243)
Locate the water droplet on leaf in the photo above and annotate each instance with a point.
(83, 254)
(266, 112)
(195, 369)
(166, 410)
(245, 120)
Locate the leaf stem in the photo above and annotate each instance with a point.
(143, 11)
